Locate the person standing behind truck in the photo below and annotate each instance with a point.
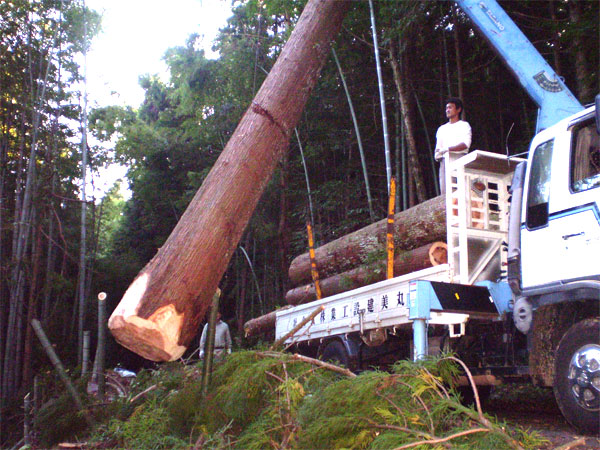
(222, 338)
(454, 137)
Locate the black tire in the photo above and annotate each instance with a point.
(335, 353)
(468, 396)
(576, 366)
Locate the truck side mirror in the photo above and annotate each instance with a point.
(598, 113)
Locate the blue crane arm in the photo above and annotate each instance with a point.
(544, 86)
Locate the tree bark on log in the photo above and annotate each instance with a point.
(408, 261)
(160, 313)
(262, 324)
(414, 227)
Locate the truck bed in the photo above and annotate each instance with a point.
(383, 304)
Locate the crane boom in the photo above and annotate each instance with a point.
(554, 99)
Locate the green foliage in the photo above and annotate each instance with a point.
(148, 428)
(261, 400)
(111, 219)
(59, 420)
(353, 412)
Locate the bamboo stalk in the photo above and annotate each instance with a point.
(27, 419)
(85, 365)
(100, 348)
(310, 204)
(357, 131)
(386, 139)
(37, 393)
(39, 331)
(209, 346)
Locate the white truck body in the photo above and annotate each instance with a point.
(520, 294)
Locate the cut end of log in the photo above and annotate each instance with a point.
(155, 338)
(438, 253)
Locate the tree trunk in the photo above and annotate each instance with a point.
(160, 313)
(9, 376)
(4, 305)
(23, 223)
(408, 116)
(406, 262)
(50, 260)
(31, 312)
(413, 228)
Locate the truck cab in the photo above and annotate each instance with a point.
(560, 230)
(554, 269)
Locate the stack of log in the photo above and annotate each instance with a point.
(405, 262)
(359, 258)
(262, 324)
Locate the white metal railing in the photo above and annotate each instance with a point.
(477, 205)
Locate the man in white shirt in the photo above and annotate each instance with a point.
(452, 138)
(222, 338)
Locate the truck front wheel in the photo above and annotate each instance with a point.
(335, 353)
(577, 375)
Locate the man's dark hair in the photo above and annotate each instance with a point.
(457, 102)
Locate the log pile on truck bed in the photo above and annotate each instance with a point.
(422, 224)
(359, 258)
(405, 261)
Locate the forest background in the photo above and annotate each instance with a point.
(60, 245)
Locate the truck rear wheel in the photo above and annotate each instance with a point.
(335, 353)
(577, 375)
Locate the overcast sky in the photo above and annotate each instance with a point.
(135, 35)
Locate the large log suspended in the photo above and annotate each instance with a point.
(414, 227)
(406, 262)
(160, 313)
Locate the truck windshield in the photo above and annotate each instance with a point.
(538, 194)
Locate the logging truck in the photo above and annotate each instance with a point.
(519, 295)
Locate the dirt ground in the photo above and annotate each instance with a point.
(535, 409)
